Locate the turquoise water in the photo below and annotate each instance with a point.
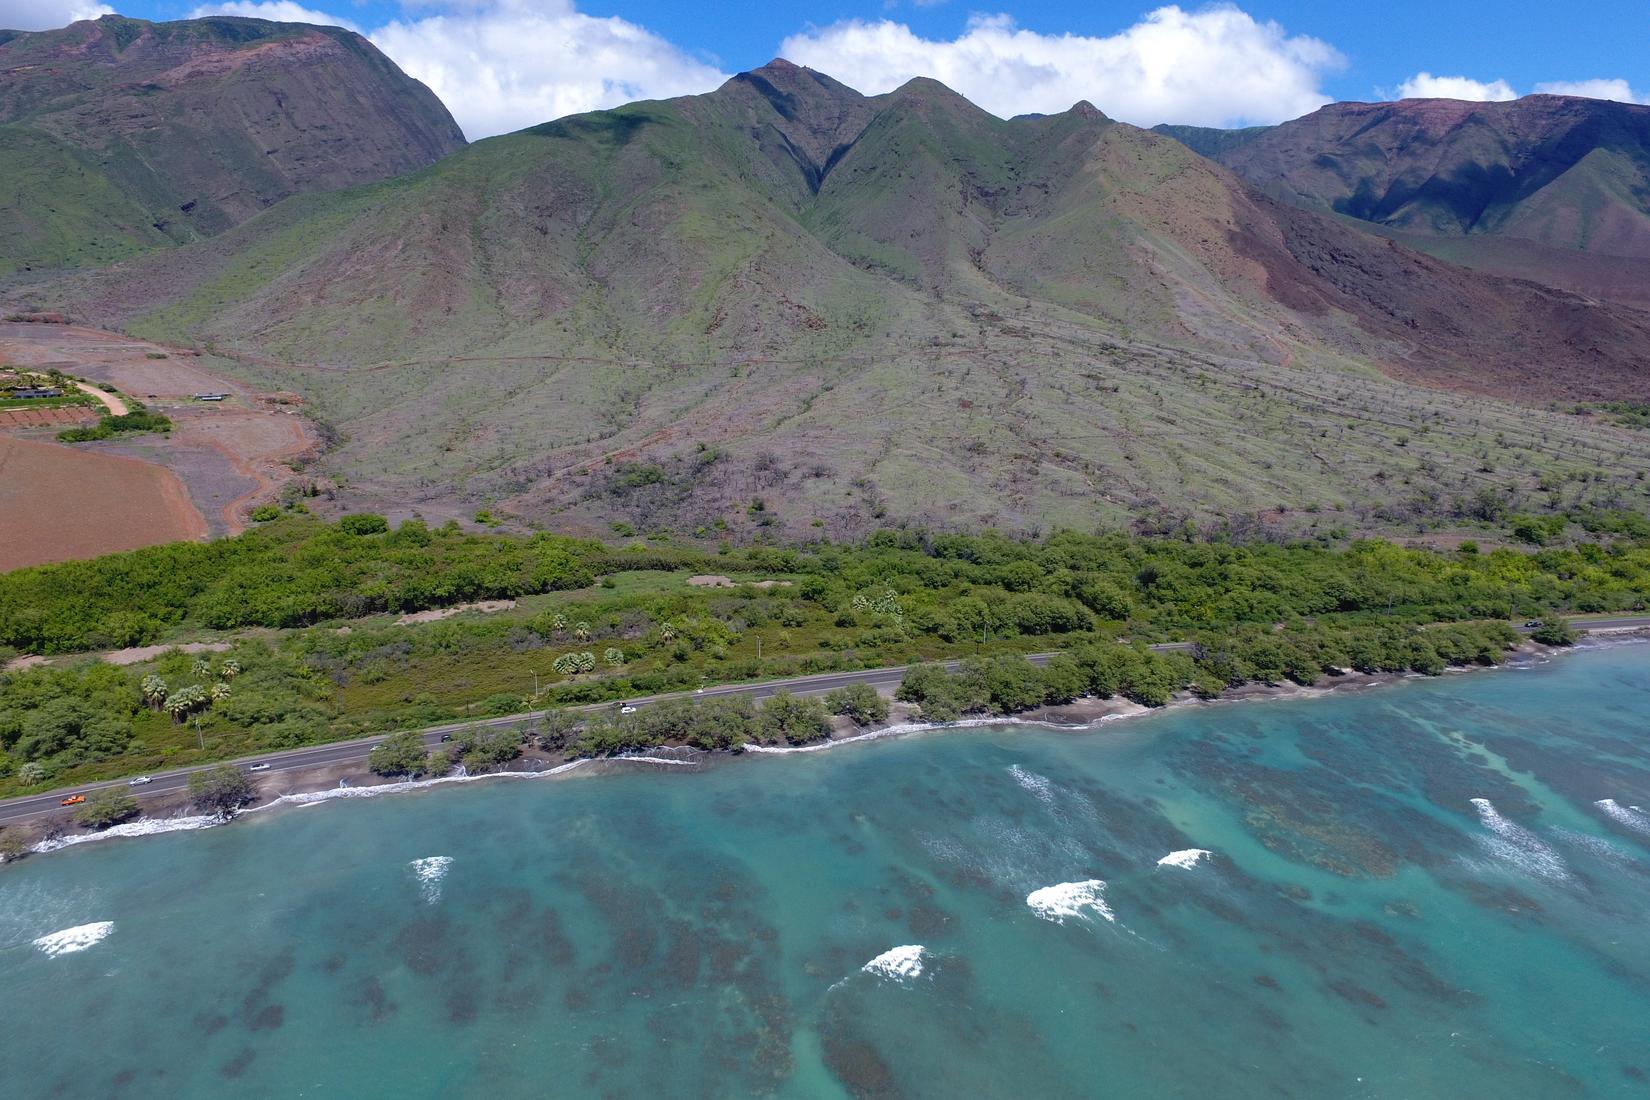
(1360, 928)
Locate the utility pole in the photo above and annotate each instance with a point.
(759, 647)
(198, 735)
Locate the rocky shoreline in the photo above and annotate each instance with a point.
(305, 786)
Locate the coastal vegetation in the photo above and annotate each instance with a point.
(109, 426)
(312, 650)
(221, 789)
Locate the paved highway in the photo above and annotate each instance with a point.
(349, 752)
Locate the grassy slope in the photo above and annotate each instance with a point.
(1059, 320)
(58, 209)
(111, 150)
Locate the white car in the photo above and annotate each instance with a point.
(140, 781)
(627, 709)
(258, 768)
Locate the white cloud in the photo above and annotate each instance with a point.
(1427, 86)
(1616, 89)
(281, 11)
(500, 65)
(1218, 66)
(45, 15)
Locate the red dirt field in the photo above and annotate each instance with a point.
(58, 503)
(231, 455)
(63, 417)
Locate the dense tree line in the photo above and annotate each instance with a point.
(297, 571)
(289, 573)
(1259, 612)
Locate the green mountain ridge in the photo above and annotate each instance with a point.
(785, 307)
(120, 135)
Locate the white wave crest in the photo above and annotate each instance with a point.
(78, 938)
(309, 798)
(429, 872)
(657, 760)
(898, 964)
(145, 826)
(1071, 899)
(905, 728)
(1630, 816)
(1518, 846)
(1038, 785)
(1186, 857)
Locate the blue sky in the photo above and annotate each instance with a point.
(501, 64)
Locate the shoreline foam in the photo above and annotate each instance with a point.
(1248, 693)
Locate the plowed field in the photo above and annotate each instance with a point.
(57, 503)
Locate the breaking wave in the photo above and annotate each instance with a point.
(1517, 845)
(1631, 816)
(925, 727)
(1038, 785)
(310, 798)
(1187, 857)
(1071, 899)
(78, 938)
(898, 964)
(430, 871)
(147, 826)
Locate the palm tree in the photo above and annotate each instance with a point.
(220, 690)
(558, 623)
(581, 631)
(667, 631)
(613, 656)
(231, 669)
(154, 691)
(201, 667)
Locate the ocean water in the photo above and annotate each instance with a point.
(1436, 889)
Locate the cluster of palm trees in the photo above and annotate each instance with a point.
(572, 664)
(181, 702)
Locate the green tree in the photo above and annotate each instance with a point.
(486, 748)
(401, 753)
(106, 806)
(221, 789)
(69, 730)
(786, 717)
(859, 702)
(556, 728)
(1552, 630)
(153, 689)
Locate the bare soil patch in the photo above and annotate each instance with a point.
(58, 503)
(63, 417)
(716, 580)
(108, 357)
(231, 456)
(437, 613)
(140, 653)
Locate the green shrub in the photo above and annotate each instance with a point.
(859, 702)
(400, 753)
(106, 806)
